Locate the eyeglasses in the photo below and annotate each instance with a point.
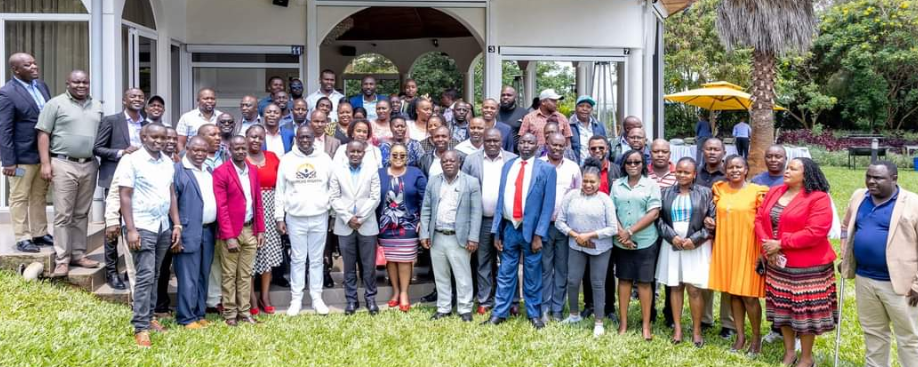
(594, 149)
(399, 156)
(633, 163)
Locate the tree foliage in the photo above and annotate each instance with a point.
(435, 72)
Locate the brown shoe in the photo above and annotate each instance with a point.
(157, 327)
(203, 322)
(85, 263)
(248, 320)
(231, 322)
(194, 326)
(143, 339)
(60, 271)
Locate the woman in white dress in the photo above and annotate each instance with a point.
(360, 130)
(685, 256)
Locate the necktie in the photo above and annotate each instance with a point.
(518, 194)
(36, 95)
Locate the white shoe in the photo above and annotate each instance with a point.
(571, 320)
(294, 308)
(773, 337)
(319, 306)
(598, 330)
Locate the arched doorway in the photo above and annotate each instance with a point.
(435, 72)
(402, 34)
(379, 67)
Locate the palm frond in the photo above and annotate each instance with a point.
(778, 27)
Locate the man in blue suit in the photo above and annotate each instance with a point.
(526, 202)
(368, 97)
(198, 216)
(21, 100)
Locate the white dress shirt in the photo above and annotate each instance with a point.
(189, 123)
(151, 179)
(449, 204)
(205, 181)
(510, 188)
(490, 183)
(466, 147)
(314, 98)
(246, 190)
(275, 143)
(435, 167)
(569, 179)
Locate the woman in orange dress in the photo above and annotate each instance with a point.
(736, 250)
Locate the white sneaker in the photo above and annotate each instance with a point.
(773, 337)
(319, 306)
(598, 330)
(294, 308)
(571, 320)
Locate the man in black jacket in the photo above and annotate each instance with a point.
(119, 134)
(21, 100)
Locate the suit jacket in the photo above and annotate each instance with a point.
(331, 145)
(427, 160)
(702, 207)
(18, 115)
(114, 135)
(468, 214)
(357, 101)
(901, 243)
(474, 163)
(345, 196)
(287, 135)
(540, 202)
(803, 228)
(231, 201)
(190, 207)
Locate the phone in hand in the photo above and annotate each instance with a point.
(781, 261)
(20, 172)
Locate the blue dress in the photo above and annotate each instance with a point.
(399, 213)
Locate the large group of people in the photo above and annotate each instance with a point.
(234, 206)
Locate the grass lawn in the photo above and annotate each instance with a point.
(43, 324)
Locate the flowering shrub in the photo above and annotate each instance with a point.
(828, 140)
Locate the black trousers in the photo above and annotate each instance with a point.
(742, 147)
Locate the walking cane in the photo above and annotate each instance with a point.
(841, 305)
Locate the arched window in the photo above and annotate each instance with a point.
(379, 67)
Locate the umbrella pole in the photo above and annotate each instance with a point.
(841, 304)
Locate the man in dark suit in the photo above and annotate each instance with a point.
(197, 209)
(526, 202)
(119, 134)
(21, 100)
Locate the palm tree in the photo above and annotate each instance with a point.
(772, 28)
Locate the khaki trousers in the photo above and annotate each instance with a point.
(237, 274)
(27, 203)
(726, 310)
(74, 184)
(878, 306)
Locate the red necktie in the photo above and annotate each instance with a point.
(518, 194)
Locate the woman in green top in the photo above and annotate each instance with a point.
(637, 205)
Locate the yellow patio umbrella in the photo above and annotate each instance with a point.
(717, 96)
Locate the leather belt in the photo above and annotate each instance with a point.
(448, 232)
(72, 159)
(249, 223)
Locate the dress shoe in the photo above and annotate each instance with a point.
(45, 240)
(114, 281)
(515, 310)
(194, 325)
(482, 310)
(27, 246)
(231, 322)
(404, 308)
(203, 322)
(727, 333)
(142, 339)
(157, 327)
(350, 308)
(248, 320)
(392, 303)
(268, 310)
(705, 326)
(253, 311)
(466, 317)
(494, 320)
(328, 282)
(85, 263)
(537, 322)
(440, 315)
(373, 308)
(432, 297)
(60, 271)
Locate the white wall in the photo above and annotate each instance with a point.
(573, 23)
(245, 22)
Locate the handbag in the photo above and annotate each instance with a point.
(380, 256)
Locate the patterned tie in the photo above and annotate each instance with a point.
(518, 194)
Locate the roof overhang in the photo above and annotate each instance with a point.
(671, 7)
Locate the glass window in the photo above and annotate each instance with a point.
(46, 7)
(58, 47)
(139, 12)
(176, 103)
(231, 84)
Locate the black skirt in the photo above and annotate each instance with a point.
(638, 266)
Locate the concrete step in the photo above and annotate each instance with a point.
(11, 259)
(90, 279)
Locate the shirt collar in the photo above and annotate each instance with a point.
(623, 181)
(143, 153)
(354, 169)
(24, 84)
(243, 170)
(132, 121)
(74, 100)
(892, 199)
(187, 164)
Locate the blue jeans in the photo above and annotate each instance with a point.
(554, 270)
(507, 274)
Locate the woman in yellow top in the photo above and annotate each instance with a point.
(736, 250)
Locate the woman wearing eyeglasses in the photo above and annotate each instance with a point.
(637, 205)
(402, 189)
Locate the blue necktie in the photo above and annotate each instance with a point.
(39, 99)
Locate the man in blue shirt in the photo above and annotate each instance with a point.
(742, 132)
(882, 258)
(775, 162)
(703, 131)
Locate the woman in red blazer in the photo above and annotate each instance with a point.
(793, 224)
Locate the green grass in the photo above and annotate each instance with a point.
(46, 324)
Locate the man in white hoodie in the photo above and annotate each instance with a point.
(302, 194)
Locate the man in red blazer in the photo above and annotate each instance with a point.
(240, 233)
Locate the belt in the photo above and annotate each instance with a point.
(209, 225)
(249, 223)
(448, 232)
(72, 159)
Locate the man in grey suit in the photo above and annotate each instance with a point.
(486, 165)
(119, 135)
(354, 197)
(451, 217)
